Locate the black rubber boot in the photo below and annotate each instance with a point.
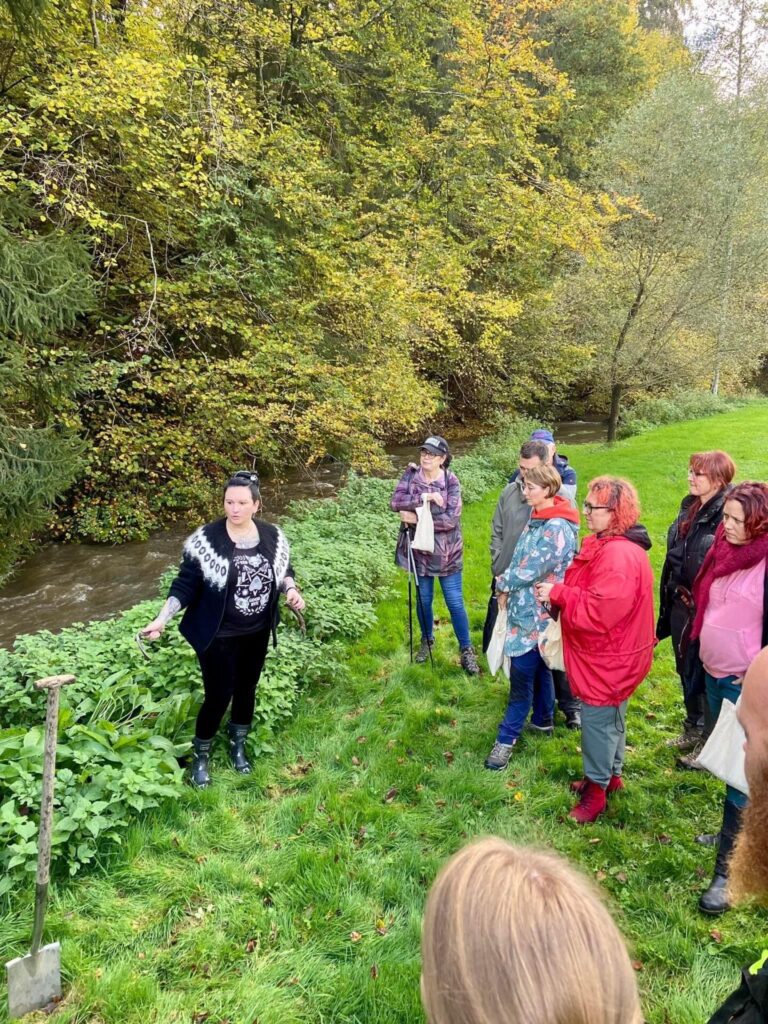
(715, 899)
(199, 776)
(237, 738)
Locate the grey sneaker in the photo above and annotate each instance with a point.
(689, 760)
(469, 661)
(499, 756)
(541, 730)
(686, 741)
(423, 651)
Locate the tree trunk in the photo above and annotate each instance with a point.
(613, 419)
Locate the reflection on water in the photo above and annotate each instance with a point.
(62, 584)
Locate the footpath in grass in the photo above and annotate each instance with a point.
(296, 894)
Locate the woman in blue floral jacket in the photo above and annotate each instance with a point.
(543, 553)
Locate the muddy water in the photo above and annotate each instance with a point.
(62, 584)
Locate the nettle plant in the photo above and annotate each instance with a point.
(126, 721)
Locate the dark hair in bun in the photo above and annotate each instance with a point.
(245, 478)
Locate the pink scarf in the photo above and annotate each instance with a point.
(721, 560)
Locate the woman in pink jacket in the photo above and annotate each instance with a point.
(605, 605)
(730, 594)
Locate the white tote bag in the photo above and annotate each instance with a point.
(424, 534)
(495, 653)
(551, 645)
(723, 753)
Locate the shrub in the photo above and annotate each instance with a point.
(683, 405)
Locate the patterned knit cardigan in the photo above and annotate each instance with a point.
(201, 583)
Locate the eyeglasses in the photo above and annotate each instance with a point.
(589, 508)
(430, 455)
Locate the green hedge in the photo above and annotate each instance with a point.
(685, 405)
(126, 720)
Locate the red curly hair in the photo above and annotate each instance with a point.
(753, 498)
(621, 498)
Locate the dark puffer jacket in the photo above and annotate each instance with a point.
(685, 556)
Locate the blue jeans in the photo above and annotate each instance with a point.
(454, 599)
(530, 686)
(719, 690)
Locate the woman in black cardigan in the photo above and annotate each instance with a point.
(229, 583)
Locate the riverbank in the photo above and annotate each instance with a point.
(295, 895)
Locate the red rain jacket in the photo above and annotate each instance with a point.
(606, 612)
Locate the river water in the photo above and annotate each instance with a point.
(66, 583)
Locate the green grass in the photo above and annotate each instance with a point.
(296, 894)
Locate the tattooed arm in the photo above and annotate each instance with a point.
(156, 627)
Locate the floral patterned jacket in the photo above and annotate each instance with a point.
(543, 553)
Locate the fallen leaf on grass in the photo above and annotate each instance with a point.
(390, 795)
(650, 716)
(621, 876)
(715, 935)
(637, 965)
(200, 1018)
(594, 842)
(381, 926)
(601, 875)
(510, 784)
(374, 971)
(439, 803)
(355, 936)
(518, 795)
(391, 744)
(356, 761)
(449, 756)
(251, 945)
(362, 739)
(663, 839)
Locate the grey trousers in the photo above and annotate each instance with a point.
(603, 741)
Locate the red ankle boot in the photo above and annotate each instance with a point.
(615, 784)
(591, 805)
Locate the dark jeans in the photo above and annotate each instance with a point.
(689, 668)
(530, 686)
(231, 669)
(454, 599)
(567, 703)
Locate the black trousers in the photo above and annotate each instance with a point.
(231, 669)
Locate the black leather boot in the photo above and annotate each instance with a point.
(237, 737)
(199, 776)
(715, 899)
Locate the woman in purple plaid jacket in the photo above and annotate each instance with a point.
(441, 487)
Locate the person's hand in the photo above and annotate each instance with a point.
(409, 517)
(294, 600)
(542, 592)
(153, 630)
(502, 599)
(436, 497)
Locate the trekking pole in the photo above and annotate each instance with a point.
(412, 568)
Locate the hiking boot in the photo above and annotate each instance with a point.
(237, 738)
(689, 762)
(424, 649)
(613, 786)
(469, 661)
(715, 899)
(686, 741)
(499, 756)
(198, 773)
(591, 804)
(573, 720)
(548, 729)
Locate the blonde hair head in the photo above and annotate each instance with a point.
(545, 476)
(516, 935)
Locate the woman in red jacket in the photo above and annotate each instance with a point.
(605, 605)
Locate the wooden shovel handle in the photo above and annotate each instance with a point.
(53, 682)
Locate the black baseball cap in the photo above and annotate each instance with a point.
(435, 446)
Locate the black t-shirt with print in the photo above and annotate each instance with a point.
(249, 593)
